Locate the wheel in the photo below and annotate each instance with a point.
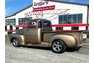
(15, 43)
(58, 46)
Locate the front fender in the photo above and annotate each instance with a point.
(20, 38)
(69, 40)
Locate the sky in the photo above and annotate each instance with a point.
(12, 6)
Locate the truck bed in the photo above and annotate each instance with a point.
(48, 34)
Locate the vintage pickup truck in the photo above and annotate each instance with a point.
(40, 33)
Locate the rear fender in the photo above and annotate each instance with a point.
(69, 40)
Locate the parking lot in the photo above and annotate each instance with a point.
(43, 55)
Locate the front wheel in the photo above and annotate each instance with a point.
(15, 43)
(58, 46)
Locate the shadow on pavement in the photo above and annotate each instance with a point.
(34, 47)
(48, 48)
(73, 49)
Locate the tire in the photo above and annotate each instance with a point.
(9, 32)
(15, 43)
(58, 46)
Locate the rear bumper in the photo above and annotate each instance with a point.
(79, 45)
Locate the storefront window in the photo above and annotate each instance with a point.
(24, 21)
(10, 22)
(70, 19)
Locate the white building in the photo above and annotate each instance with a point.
(56, 11)
(74, 14)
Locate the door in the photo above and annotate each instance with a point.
(32, 35)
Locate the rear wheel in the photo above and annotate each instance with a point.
(58, 46)
(15, 43)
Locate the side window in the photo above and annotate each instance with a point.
(40, 24)
(23, 21)
(47, 23)
(10, 22)
(70, 19)
(32, 24)
(44, 23)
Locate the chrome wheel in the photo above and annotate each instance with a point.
(15, 43)
(58, 46)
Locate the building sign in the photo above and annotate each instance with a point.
(39, 2)
(44, 8)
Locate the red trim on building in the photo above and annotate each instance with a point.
(60, 25)
(44, 8)
(70, 30)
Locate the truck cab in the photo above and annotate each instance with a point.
(40, 33)
(41, 23)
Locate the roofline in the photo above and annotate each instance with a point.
(69, 2)
(51, 1)
(10, 15)
(19, 11)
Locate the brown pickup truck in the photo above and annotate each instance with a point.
(40, 33)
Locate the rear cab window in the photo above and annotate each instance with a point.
(44, 23)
